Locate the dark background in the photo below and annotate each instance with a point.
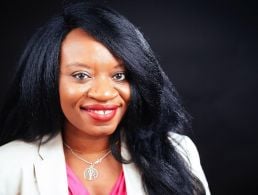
(209, 49)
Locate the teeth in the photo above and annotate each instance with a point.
(102, 112)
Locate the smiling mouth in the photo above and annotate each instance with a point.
(100, 113)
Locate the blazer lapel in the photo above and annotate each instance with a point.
(50, 168)
(133, 180)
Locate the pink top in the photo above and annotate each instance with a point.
(75, 187)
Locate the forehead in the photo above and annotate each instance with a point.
(79, 46)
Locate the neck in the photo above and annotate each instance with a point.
(86, 144)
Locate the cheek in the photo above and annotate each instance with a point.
(70, 94)
(125, 93)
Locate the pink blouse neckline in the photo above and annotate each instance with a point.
(75, 187)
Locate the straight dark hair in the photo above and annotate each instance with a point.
(32, 107)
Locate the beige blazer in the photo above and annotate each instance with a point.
(39, 169)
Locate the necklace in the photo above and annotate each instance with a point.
(90, 173)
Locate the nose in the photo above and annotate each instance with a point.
(102, 89)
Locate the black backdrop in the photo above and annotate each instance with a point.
(208, 49)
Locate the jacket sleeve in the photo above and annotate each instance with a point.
(10, 173)
(185, 146)
(16, 170)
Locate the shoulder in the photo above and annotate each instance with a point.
(17, 154)
(16, 161)
(18, 146)
(187, 149)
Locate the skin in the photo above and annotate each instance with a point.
(90, 75)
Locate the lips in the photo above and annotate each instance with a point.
(100, 112)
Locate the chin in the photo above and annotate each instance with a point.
(100, 131)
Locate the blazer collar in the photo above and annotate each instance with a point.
(50, 168)
(132, 175)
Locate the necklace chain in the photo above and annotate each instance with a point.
(90, 173)
(84, 160)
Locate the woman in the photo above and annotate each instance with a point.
(90, 111)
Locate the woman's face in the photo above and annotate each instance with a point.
(94, 92)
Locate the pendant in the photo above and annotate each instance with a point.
(91, 173)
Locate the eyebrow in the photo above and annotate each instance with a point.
(78, 64)
(120, 65)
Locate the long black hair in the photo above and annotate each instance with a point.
(32, 108)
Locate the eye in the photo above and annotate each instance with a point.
(119, 76)
(81, 75)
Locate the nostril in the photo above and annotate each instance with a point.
(102, 93)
